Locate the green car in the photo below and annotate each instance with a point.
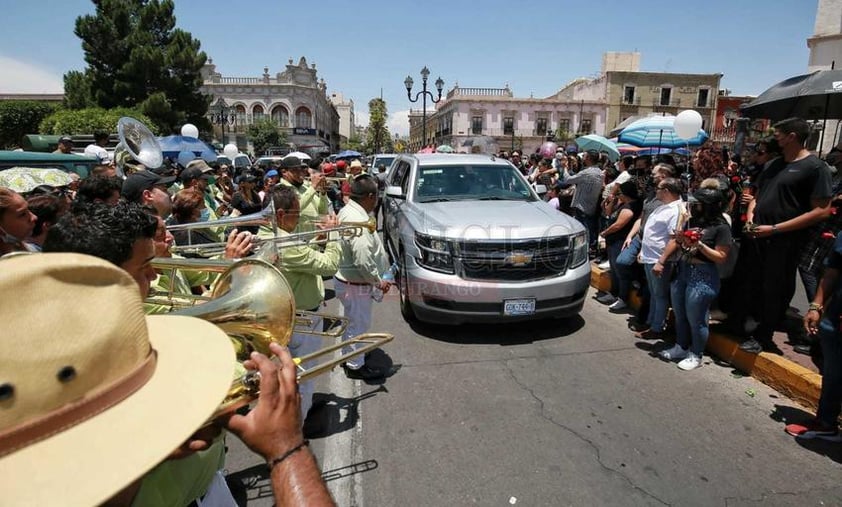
(70, 163)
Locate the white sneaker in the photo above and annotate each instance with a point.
(691, 362)
(674, 354)
(604, 265)
(618, 306)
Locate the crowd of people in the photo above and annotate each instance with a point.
(128, 223)
(720, 231)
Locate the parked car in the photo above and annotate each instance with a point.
(269, 161)
(70, 163)
(473, 242)
(241, 162)
(381, 158)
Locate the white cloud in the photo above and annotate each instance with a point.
(23, 77)
(398, 122)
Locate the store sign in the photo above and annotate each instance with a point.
(303, 132)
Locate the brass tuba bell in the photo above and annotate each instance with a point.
(137, 145)
(253, 303)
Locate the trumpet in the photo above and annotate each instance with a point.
(253, 303)
(345, 230)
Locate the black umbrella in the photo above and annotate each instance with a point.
(816, 96)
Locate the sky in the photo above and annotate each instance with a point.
(365, 47)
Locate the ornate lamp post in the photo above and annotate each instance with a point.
(220, 114)
(425, 73)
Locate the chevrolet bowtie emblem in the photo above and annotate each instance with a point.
(518, 259)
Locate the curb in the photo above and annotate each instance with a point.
(779, 373)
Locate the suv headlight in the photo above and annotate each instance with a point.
(579, 249)
(435, 253)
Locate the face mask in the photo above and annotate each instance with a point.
(205, 215)
(297, 184)
(211, 180)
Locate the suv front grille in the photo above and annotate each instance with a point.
(515, 260)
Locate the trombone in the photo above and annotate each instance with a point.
(345, 230)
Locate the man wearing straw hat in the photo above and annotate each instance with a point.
(113, 397)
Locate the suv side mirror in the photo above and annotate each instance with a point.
(396, 192)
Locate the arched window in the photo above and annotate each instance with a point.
(280, 116)
(258, 113)
(303, 117)
(240, 111)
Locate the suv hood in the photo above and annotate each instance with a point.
(493, 220)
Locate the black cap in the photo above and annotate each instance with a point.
(708, 196)
(139, 181)
(292, 163)
(193, 173)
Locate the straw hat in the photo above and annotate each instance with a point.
(75, 338)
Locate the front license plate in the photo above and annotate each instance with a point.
(518, 306)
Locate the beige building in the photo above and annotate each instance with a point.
(347, 119)
(295, 99)
(522, 123)
(826, 52)
(628, 92)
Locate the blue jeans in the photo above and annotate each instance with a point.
(620, 285)
(830, 400)
(659, 290)
(591, 224)
(693, 290)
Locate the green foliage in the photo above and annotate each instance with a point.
(88, 121)
(354, 143)
(265, 133)
(137, 58)
(21, 117)
(77, 90)
(378, 132)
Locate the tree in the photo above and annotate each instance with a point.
(265, 133)
(90, 120)
(353, 143)
(137, 58)
(378, 132)
(21, 117)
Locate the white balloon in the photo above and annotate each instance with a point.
(230, 151)
(190, 130)
(687, 124)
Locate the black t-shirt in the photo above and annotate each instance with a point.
(620, 235)
(713, 235)
(785, 191)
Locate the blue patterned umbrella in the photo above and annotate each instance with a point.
(658, 132)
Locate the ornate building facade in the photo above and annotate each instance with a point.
(295, 99)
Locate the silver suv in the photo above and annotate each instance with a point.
(474, 243)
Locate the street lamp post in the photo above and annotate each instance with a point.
(221, 115)
(425, 73)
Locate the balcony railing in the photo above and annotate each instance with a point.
(480, 92)
(240, 80)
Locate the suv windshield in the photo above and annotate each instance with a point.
(456, 183)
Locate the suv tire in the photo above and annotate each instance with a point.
(403, 290)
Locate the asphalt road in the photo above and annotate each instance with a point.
(573, 412)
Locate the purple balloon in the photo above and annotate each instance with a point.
(548, 149)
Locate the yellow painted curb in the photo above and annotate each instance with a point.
(779, 373)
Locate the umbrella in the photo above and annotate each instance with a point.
(171, 146)
(598, 143)
(445, 148)
(628, 121)
(658, 132)
(25, 179)
(300, 154)
(815, 96)
(348, 154)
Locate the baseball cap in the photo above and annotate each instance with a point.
(271, 173)
(199, 164)
(193, 173)
(65, 139)
(139, 181)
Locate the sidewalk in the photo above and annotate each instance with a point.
(792, 374)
